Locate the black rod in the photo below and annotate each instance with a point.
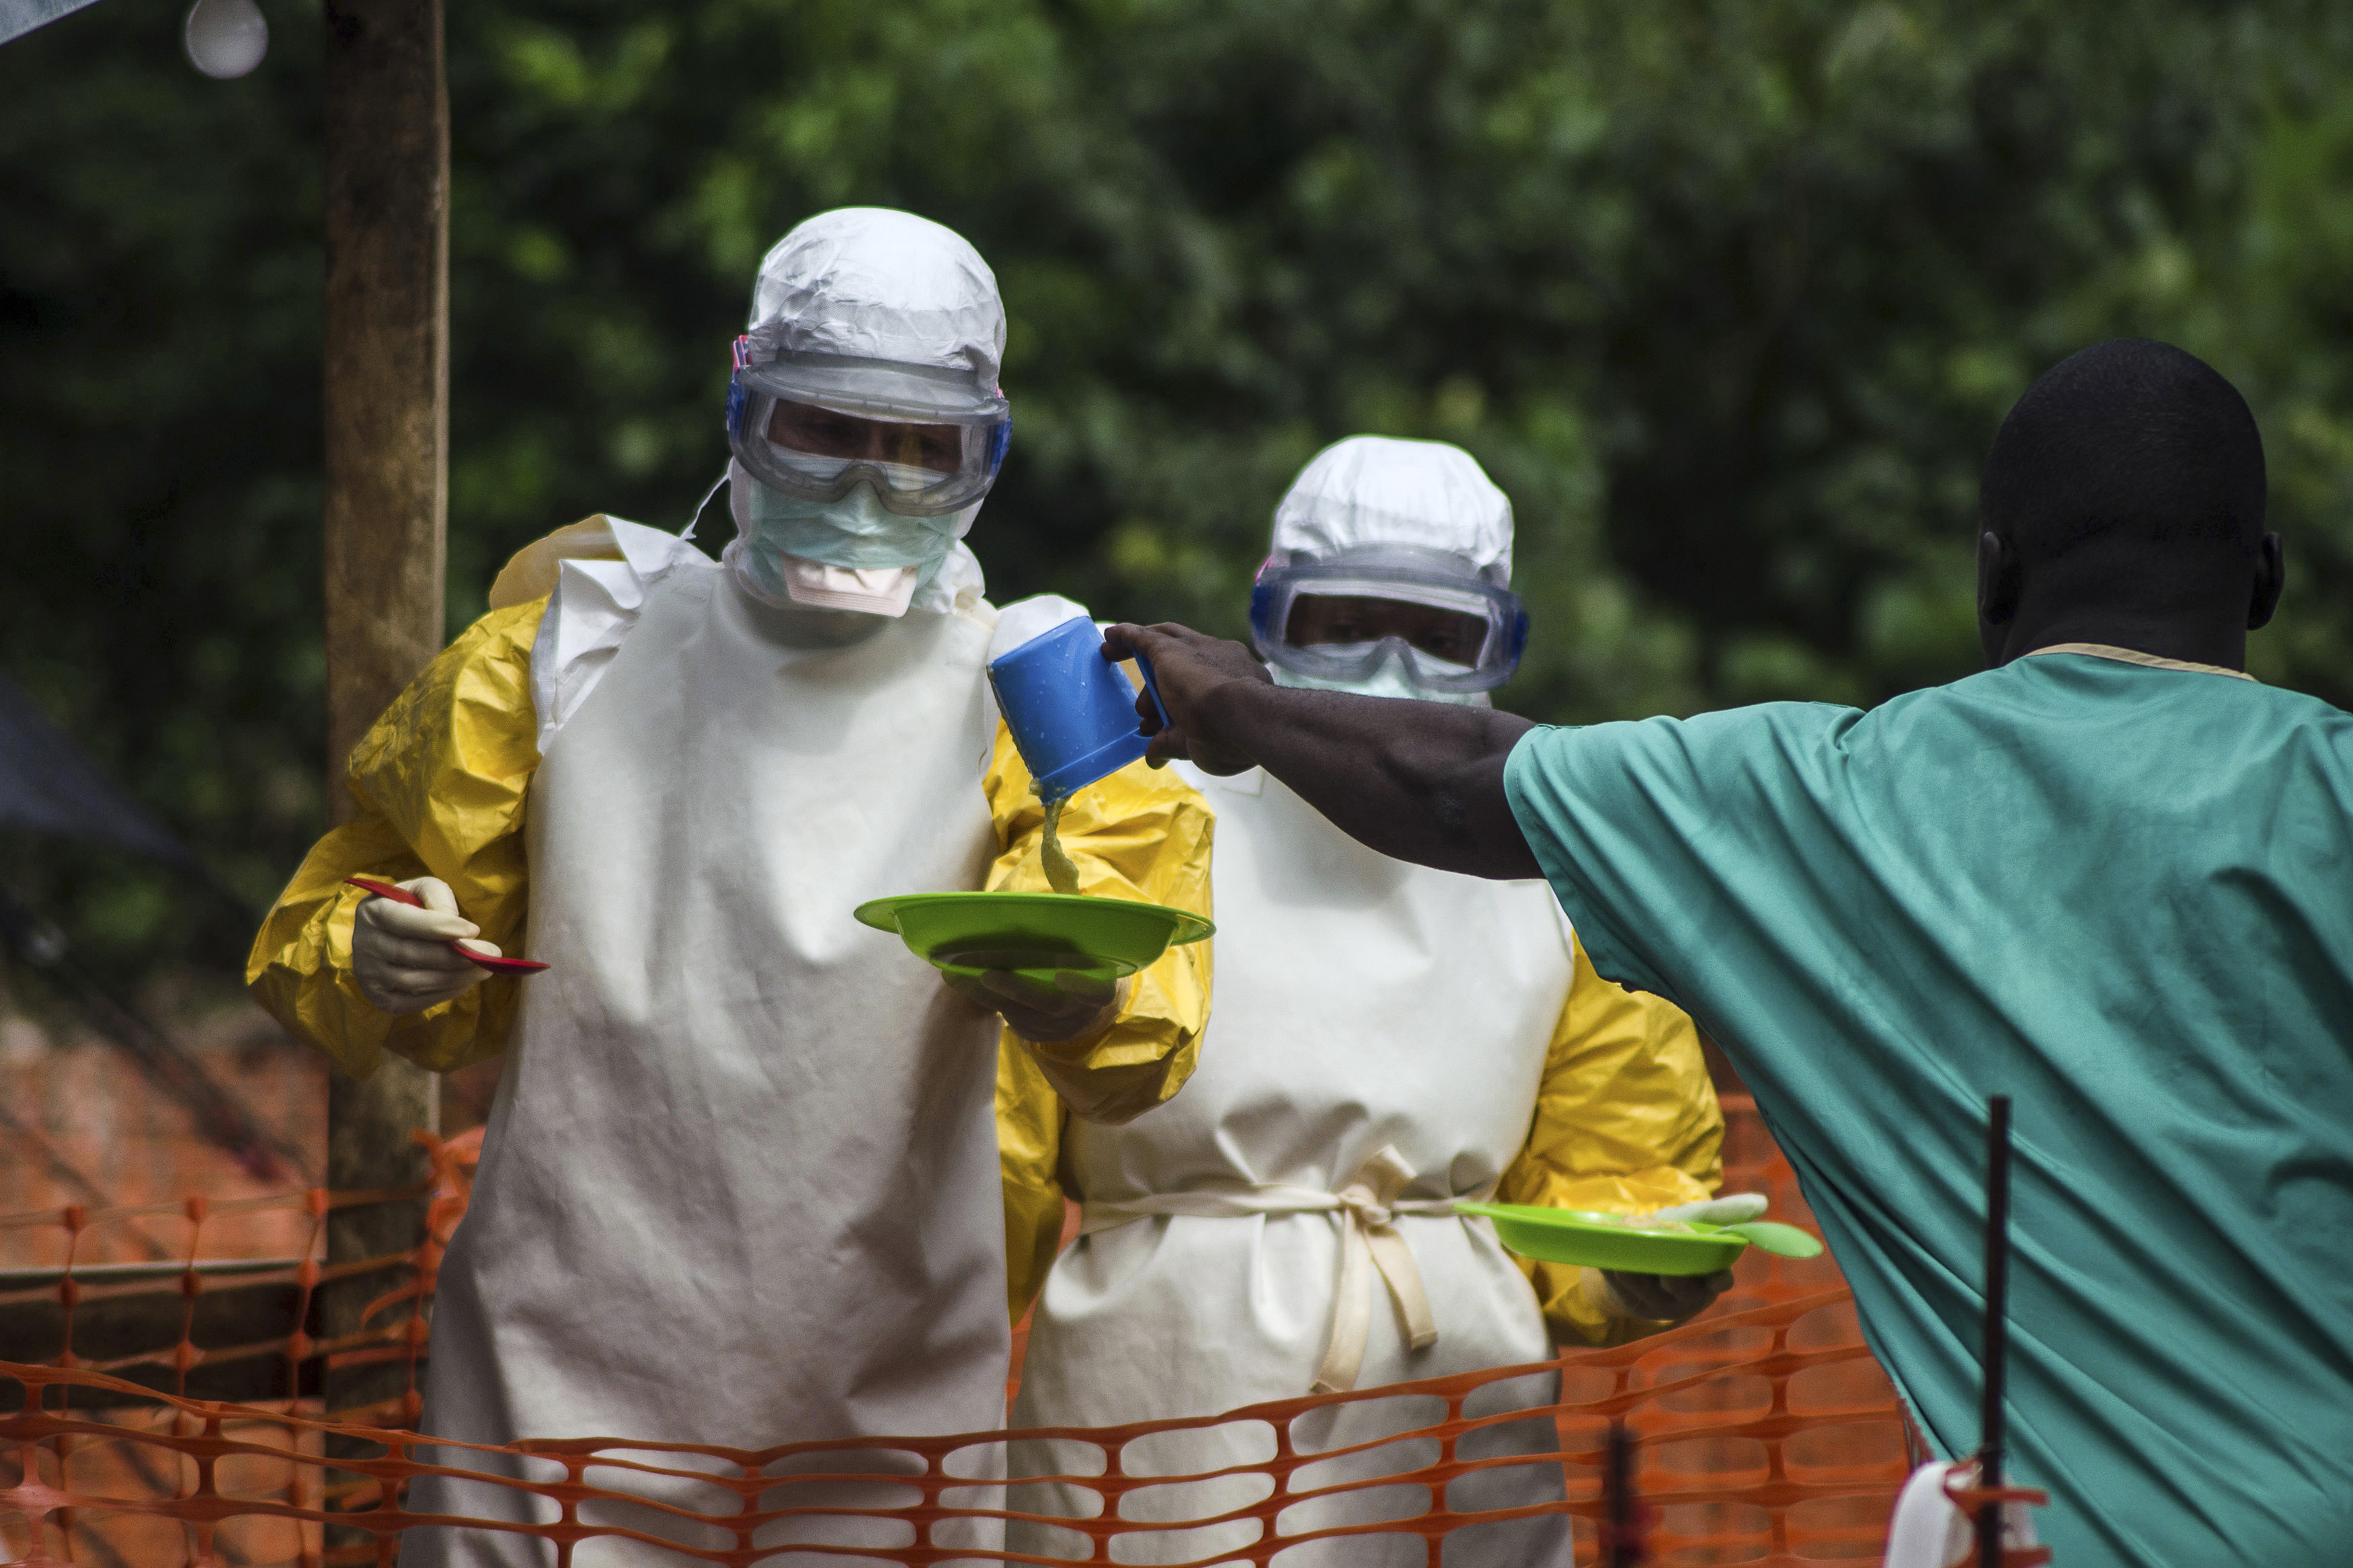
(1623, 1548)
(1997, 1325)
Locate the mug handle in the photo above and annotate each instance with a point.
(1152, 688)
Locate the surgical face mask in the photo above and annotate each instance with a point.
(854, 531)
(1391, 676)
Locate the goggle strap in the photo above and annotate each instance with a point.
(1261, 610)
(737, 396)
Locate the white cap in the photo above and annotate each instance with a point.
(1376, 490)
(875, 285)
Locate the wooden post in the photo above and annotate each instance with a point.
(387, 377)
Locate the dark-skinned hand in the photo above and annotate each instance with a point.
(1190, 669)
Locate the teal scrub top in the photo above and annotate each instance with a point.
(2122, 894)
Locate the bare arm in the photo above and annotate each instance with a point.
(1417, 780)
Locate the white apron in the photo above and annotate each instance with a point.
(1363, 1004)
(740, 1181)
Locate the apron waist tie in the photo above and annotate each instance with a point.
(1368, 1203)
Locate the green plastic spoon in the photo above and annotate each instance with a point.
(1769, 1236)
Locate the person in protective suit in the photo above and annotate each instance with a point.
(739, 1184)
(1389, 1038)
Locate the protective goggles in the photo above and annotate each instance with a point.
(815, 425)
(1337, 617)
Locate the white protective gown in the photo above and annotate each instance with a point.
(1362, 1004)
(772, 1130)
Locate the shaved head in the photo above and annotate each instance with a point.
(2129, 438)
(2123, 504)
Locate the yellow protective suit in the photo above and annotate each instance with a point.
(1626, 1120)
(441, 780)
(1388, 1039)
(722, 1076)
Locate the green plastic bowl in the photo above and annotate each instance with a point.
(1033, 932)
(1562, 1236)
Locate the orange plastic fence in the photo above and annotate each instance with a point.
(218, 1260)
(1767, 1435)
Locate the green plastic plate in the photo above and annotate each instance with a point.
(1033, 934)
(1571, 1236)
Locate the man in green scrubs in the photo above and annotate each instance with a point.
(2111, 876)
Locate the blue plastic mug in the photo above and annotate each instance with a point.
(1071, 713)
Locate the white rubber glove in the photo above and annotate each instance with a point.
(400, 956)
(1929, 1531)
(1671, 1298)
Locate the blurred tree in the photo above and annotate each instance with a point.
(1729, 297)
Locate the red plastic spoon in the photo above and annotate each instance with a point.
(400, 895)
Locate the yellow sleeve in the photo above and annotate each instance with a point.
(1028, 1148)
(440, 782)
(1627, 1121)
(1137, 834)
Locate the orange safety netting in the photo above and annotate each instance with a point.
(1767, 1435)
(107, 1317)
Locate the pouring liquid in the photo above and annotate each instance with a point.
(1060, 874)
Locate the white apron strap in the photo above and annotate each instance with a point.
(1367, 1203)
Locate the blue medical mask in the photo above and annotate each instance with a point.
(1391, 678)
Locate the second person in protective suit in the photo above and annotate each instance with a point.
(1388, 1038)
(740, 1182)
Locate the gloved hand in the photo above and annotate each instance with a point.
(401, 959)
(1671, 1298)
(1077, 1004)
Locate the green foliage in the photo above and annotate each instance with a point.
(1729, 296)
